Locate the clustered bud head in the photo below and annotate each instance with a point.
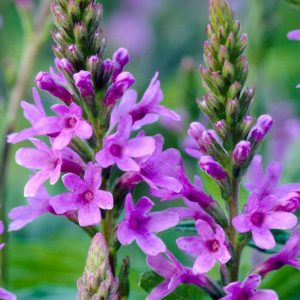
(97, 281)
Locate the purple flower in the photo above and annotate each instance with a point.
(6, 295)
(42, 158)
(209, 247)
(241, 151)
(212, 168)
(289, 202)
(46, 83)
(120, 59)
(288, 255)
(174, 273)
(84, 196)
(123, 82)
(192, 148)
(120, 150)
(294, 35)
(246, 290)
(67, 125)
(33, 113)
(147, 111)
(37, 206)
(260, 216)
(157, 170)
(140, 225)
(84, 83)
(192, 192)
(267, 184)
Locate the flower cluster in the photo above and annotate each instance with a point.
(94, 144)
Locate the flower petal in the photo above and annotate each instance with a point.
(125, 235)
(204, 229)
(104, 199)
(263, 239)
(160, 221)
(150, 244)
(204, 263)
(89, 215)
(241, 223)
(265, 295)
(139, 147)
(280, 220)
(192, 245)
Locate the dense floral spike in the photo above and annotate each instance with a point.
(139, 225)
(247, 290)
(97, 281)
(209, 247)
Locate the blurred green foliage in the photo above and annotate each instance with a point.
(46, 258)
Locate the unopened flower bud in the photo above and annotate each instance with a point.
(120, 59)
(241, 151)
(74, 54)
(46, 83)
(256, 134)
(221, 129)
(93, 64)
(65, 65)
(212, 168)
(265, 122)
(223, 54)
(246, 126)
(123, 81)
(232, 110)
(228, 70)
(234, 89)
(289, 203)
(84, 83)
(195, 130)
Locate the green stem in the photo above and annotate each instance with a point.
(233, 206)
(32, 44)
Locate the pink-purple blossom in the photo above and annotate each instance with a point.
(33, 113)
(260, 217)
(119, 149)
(67, 125)
(174, 274)
(241, 151)
(84, 196)
(37, 206)
(144, 112)
(6, 295)
(140, 225)
(120, 60)
(157, 169)
(209, 247)
(294, 35)
(247, 290)
(47, 161)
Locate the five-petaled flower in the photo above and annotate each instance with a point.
(84, 196)
(140, 225)
(210, 246)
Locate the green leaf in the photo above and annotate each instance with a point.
(185, 226)
(294, 2)
(149, 280)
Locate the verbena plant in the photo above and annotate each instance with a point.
(94, 143)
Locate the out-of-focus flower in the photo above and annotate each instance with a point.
(246, 290)
(209, 247)
(120, 150)
(260, 216)
(140, 225)
(84, 196)
(294, 35)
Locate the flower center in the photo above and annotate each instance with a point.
(133, 223)
(214, 245)
(89, 196)
(257, 218)
(70, 122)
(115, 150)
